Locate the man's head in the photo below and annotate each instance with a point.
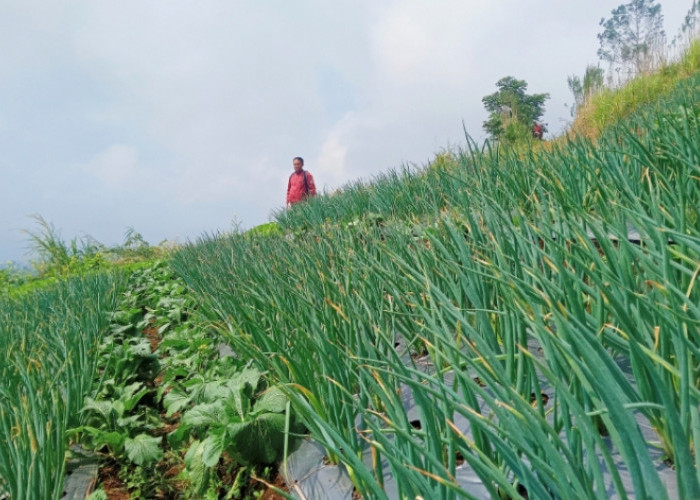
(298, 163)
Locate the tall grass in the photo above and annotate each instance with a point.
(48, 340)
(473, 288)
(611, 105)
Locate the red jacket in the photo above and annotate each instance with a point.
(297, 188)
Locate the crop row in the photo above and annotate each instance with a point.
(168, 417)
(48, 341)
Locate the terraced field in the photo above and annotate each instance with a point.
(504, 323)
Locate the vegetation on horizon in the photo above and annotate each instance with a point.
(633, 44)
(56, 259)
(512, 112)
(633, 39)
(608, 106)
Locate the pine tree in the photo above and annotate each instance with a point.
(631, 35)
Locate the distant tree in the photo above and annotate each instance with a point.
(584, 89)
(691, 25)
(692, 19)
(512, 112)
(630, 36)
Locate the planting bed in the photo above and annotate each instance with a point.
(311, 477)
(159, 380)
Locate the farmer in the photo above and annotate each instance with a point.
(301, 183)
(537, 130)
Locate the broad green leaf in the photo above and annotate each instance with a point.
(214, 391)
(237, 430)
(175, 314)
(143, 449)
(112, 439)
(259, 441)
(122, 329)
(174, 401)
(132, 395)
(119, 407)
(141, 349)
(103, 408)
(270, 425)
(98, 494)
(129, 422)
(213, 446)
(178, 437)
(205, 414)
(125, 317)
(273, 400)
(246, 381)
(243, 387)
(196, 470)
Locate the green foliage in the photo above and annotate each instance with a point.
(691, 20)
(690, 62)
(11, 277)
(268, 229)
(155, 409)
(57, 259)
(631, 36)
(512, 112)
(118, 417)
(143, 449)
(241, 418)
(134, 246)
(98, 494)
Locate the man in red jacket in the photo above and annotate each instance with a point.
(301, 183)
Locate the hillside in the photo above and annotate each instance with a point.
(506, 323)
(503, 323)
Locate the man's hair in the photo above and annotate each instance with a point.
(298, 158)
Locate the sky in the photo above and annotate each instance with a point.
(180, 118)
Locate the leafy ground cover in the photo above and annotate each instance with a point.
(169, 417)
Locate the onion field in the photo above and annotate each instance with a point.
(504, 323)
(546, 302)
(49, 343)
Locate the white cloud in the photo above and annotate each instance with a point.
(220, 86)
(331, 159)
(416, 42)
(114, 167)
(402, 45)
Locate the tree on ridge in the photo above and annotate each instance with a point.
(632, 37)
(512, 112)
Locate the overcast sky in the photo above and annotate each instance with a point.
(178, 117)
